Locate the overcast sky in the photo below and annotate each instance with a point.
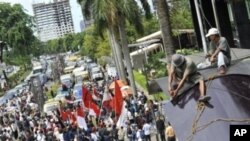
(75, 9)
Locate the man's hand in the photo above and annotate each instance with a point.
(212, 59)
(174, 93)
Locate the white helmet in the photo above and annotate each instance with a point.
(212, 31)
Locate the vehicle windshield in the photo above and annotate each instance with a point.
(35, 71)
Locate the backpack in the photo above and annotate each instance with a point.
(142, 134)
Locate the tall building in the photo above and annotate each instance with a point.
(53, 20)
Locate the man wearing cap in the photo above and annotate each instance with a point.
(218, 49)
(183, 70)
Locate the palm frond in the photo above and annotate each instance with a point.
(146, 8)
(86, 7)
(131, 12)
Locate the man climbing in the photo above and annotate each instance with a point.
(183, 70)
(218, 50)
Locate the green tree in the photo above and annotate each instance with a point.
(95, 46)
(180, 14)
(78, 40)
(16, 28)
(150, 26)
(166, 29)
(67, 42)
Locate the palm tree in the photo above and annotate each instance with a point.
(112, 15)
(164, 19)
(103, 12)
(129, 10)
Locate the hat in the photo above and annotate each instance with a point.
(212, 31)
(177, 60)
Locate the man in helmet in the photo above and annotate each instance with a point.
(183, 70)
(219, 50)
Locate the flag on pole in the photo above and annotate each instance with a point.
(86, 96)
(80, 118)
(117, 100)
(95, 108)
(88, 101)
(107, 98)
(123, 117)
(96, 95)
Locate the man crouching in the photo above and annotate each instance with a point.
(182, 70)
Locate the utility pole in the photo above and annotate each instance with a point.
(37, 91)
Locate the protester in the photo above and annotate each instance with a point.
(219, 50)
(183, 70)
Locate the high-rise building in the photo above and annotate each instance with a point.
(53, 20)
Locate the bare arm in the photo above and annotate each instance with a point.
(185, 75)
(170, 77)
(215, 53)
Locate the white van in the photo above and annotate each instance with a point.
(80, 72)
(66, 80)
(37, 69)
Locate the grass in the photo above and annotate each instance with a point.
(53, 88)
(141, 80)
(160, 96)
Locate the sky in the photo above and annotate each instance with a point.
(75, 9)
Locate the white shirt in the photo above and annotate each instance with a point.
(130, 117)
(94, 137)
(146, 128)
(138, 135)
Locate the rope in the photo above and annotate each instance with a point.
(200, 109)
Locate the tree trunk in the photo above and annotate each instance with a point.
(112, 44)
(118, 53)
(126, 54)
(164, 19)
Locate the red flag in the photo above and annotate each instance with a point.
(95, 108)
(86, 96)
(72, 117)
(117, 100)
(80, 118)
(64, 115)
(88, 101)
(107, 98)
(80, 112)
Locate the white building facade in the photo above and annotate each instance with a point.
(53, 20)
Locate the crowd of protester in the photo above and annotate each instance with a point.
(21, 120)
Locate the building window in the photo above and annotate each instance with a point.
(248, 8)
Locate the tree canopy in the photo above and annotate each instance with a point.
(16, 28)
